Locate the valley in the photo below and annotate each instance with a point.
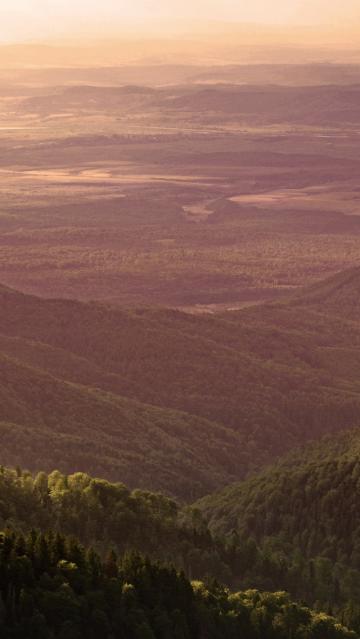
(179, 345)
(251, 384)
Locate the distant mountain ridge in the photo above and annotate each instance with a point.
(262, 104)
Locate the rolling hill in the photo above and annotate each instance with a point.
(310, 498)
(47, 422)
(171, 401)
(293, 527)
(296, 530)
(339, 295)
(262, 104)
(302, 517)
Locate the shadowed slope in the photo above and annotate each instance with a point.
(309, 501)
(47, 423)
(273, 375)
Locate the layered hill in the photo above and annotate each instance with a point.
(107, 515)
(300, 523)
(308, 502)
(103, 515)
(47, 422)
(227, 393)
(296, 527)
(262, 104)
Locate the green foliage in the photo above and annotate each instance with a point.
(49, 589)
(303, 519)
(105, 515)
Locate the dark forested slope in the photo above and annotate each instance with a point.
(305, 507)
(104, 514)
(51, 587)
(301, 519)
(108, 515)
(310, 499)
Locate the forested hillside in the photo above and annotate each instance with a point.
(104, 514)
(252, 383)
(302, 516)
(310, 496)
(303, 553)
(47, 422)
(51, 587)
(185, 404)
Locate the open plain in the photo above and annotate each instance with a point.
(201, 195)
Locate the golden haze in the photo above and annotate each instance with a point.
(40, 20)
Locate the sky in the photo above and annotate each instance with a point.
(46, 19)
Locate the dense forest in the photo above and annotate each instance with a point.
(259, 533)
(102, 515)
(51, 587)
(302, 517)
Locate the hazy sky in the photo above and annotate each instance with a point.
(42, 19)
